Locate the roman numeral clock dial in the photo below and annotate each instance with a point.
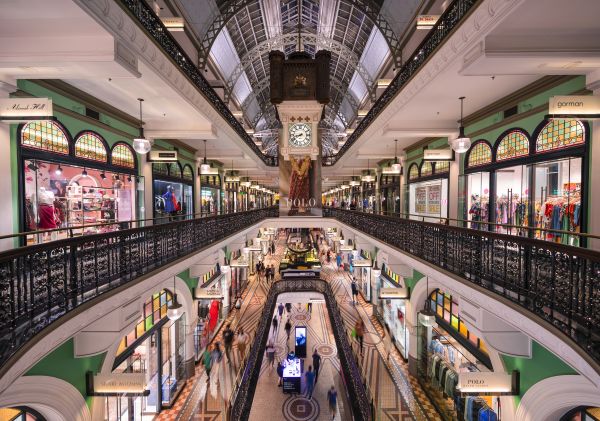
(300, 135)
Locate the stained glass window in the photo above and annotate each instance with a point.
(442, 167)
(160, 168)
(45, 135)
(559, 134)
(188, 172)
(426, 169)
(446, 310)
(480, 154)
(175, 170)
(122, 156)
(154, 309)
(413, 172)
(513, 145)
(90, 146)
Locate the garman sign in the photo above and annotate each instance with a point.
(574, 105)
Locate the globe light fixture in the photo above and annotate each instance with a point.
(141, 145)
(396, 167)
(462, 143)
(205, 167)
(427, 316)
(175, 309)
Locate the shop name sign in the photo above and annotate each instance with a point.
(427, 21)
(575, 105)
(19, 109)
(488, 383)
(117, 383)
(393, 293)
(438, 154)
(208, 294)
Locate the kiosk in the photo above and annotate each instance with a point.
(292, 374)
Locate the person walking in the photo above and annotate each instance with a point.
(387, 344)
(215, 359)
(274, 326)
(359, 328)
(310, 382)
(332, 400)
(288, 307)
(288, 328)
(270, 352)
(273, 248)
(316, 364)
(267, 274)
(354, 288)
(207, 361)
(338, 260)
(309, 307)
(280, 373)
(228, 341)
(272, 273)
(280, 308)
(242, 341)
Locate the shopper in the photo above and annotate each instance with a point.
(288, 328)
(338, 260)
(387, 344)
(270, 352)
(280, 310)
(316, 364)
(354, 291)
(242, 341)
(228, 341)
(275, 326)
(309, 307)
(273, 248)
(272, 273)
(238, 302)
(288, 307)
(207, 361)
(215, 360)
(332, 400)
(310, 382)
(280, 368)
(359, 329)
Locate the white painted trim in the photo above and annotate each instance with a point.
(551, 398)
(54, 399)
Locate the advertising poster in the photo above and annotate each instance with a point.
(300, 341)
(421, 199)
(434, 195)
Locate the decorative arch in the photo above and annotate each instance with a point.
(176, 170)
(479, 154)
(442, 167)
(426, 169)
(413, 171)
(160, 168)
(188, 172)
(91, 146)
(48, 136)
(122, 155)
(559, 134)
(513, 143)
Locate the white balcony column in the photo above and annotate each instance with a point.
(593, 188)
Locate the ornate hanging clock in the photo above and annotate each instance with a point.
(300, 135)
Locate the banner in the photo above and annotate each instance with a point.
(421, 199)
(434, 196)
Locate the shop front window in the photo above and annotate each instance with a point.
(428, 199)
(476, 188)
(511, 208)
(172, 199)
(66, 196)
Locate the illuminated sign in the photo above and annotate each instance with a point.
(438, 154)
(120, 383)
(575, 105)
(427, 21)
(394, 293)
(173, 24)
(208, 293)
(488, 383)
(19, 109)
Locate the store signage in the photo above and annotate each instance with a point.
(394, 293)
(364, 263)
(14, 110)
(390, 170)
(119, 383)
(208, 293)
(575, 105)
(488, 383)
(438, 154)
(173, 24)
(426, 21)
(162, 156)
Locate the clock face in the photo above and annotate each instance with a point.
(300, 135)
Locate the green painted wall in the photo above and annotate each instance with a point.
(542, 365)
(412, 281)
(62, 364)
(189, 280)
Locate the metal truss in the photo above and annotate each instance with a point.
(228, 9)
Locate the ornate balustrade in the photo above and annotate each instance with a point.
(452, 17)
(358, 397)
(151, 23)
(41, 283)
(558, 283)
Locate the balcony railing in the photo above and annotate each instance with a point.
(360, 405)
(559, 283)
(155, 29)
(445, 25)
(43, 282)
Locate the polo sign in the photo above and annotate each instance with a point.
(488, 383)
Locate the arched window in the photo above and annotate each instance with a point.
(122, 156)
(513, 145)
(413, 172)
(479, 154)
(442, 167)
(175, 170)
(160, 168)
(426, 169)
(46, 136)
(90, 146)
(188, 172)
(560, 134)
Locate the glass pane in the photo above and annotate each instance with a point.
(477, 199)
(512, 199)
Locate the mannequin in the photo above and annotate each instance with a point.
(46, 211)
(170, 201)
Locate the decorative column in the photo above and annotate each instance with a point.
(593, 187)
(8, 208)
(197, 190)
(377, 204)
(453, 192)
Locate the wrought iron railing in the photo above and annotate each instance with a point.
(445, 25)
(40, 283)
(153, 26)
(559, 283)
(356, 389)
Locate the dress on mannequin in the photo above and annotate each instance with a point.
(46, 211)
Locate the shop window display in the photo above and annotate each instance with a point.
(173, 194)
(511, 207)
(393, 311)
(427, 196)
(210, 194)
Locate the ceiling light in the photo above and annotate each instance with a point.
(141, 145)
(362, 113)
(354, 183)
(396, 167)
(58, 171)
(368, 178)
(462, 143)
(238, 114)
(382, 83)
(349, 131)
(175, 309)
(205, 167)
(250, 131)
(84, 173)
(102, 175)
(32, 166)
(173, 24)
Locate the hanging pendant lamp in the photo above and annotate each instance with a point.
(368, 178)
(205, 167)
(396, 167)
(142, 145)
(462, 143)
(175, 309)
